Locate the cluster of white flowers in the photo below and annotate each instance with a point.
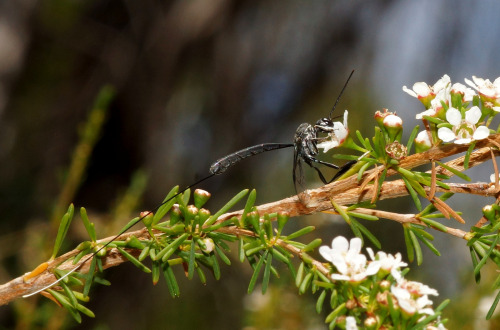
(462, 124)
(352, 266)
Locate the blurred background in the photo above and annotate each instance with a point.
(193, 81)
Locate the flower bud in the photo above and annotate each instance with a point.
(191, 212)
(175, 214)
(147, 218)
(489, 213)
(422, 142)
(394, 126)
(201, 197)
(84, 245)
(204, 214)
(380, 116)
(208, 245)
(371, 322)
(101, 252)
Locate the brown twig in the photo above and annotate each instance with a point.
(344, 192)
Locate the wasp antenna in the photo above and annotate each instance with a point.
(340, 95)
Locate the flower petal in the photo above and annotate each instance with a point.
(409, 91)
(326, 252)
(373, 267)
(470, 83)
(356, 244)
(482, 132)
(472, 115)
(463, 141)
(441, 83)
(422, 89)
(453, 116)
(429, 112)
(446, 134)
(340, 244)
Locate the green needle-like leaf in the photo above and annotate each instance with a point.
(409, 244)
(69, 294)
(165, 207)
(267, 272)
(241, 250)
(312, 245)
(155, 270)
(454, 171)
(483, 260)
(63, 230)
(89, 276)
(363, 216)
(305, 283)
(475, 261)
(467, 155)
(413, 194)
(412, 138)
(340, 310)
(248, 206)
(256, 273)
(170, 249)
(298, 233)
(134, 261)
(222, 255)
(416, 245)
(215, 266)
(319, 302)
(191, 260)
(428, 243)
(368, 234)
(172, 285)
(88, 225)
(85, 310)
(493, 306)
(66, 304)
(435, 224)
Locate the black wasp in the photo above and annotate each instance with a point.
(306, 141)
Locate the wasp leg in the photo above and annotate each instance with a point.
(344, 168)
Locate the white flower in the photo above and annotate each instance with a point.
(336, 136)
(413, 297)
(411, 304)
(485, 86)
(417, 289)
(422, 142)
(422, 90)
(436, 104)
(350, 323)
(467, 93)
(348, 260)
(464, 130)
(388, 262)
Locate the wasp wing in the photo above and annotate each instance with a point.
(298, 178)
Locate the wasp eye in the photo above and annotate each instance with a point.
(324, 122)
